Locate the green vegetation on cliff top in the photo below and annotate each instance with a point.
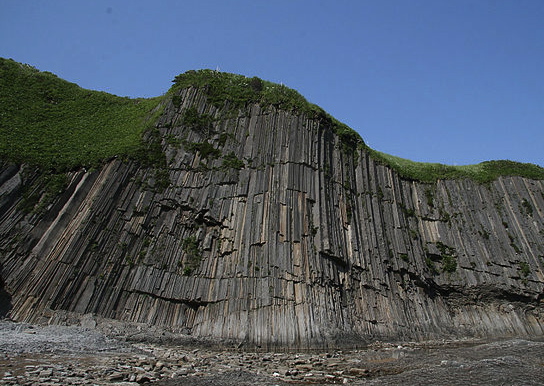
(483, 172)
(234, 91)
(57, 125)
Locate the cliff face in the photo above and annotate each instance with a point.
(260, 226)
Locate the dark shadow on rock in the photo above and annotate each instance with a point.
(5, 301)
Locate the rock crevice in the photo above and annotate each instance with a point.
(263, 228)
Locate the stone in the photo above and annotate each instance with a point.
(143, 378)
(303, 243)
(116, 377)
(358, 371)
(46, 373)
(183, 371)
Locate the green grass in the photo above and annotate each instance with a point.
(55, 124)
(230, 161)
(199, 122)
(483, 172)
(205, 149)
(193, 252)
(36, 198)
(524, 268)
(237, 91)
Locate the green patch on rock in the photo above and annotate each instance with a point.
(237, 91)
(193, 255)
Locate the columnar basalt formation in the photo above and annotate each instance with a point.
(260, 227)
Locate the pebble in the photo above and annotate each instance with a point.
(124, 369)
(142, 363)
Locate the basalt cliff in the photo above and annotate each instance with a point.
(269, 225)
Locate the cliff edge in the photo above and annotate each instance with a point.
(253, 218)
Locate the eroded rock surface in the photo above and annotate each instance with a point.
(261, 228)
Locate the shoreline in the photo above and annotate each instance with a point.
(76, 355)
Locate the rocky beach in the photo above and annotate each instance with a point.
(70, 355)
(244, 236)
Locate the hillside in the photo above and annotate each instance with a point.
(232, 210)
(55, 124)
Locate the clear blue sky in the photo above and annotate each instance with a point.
(454, 82)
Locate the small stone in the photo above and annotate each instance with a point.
(182, 371)
(116, 377)
(304, 367)
(46, 373)
(357, 371)
(143, 378)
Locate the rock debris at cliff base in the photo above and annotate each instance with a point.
(68, 355)
(264, 229)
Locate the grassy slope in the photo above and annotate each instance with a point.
(483, 172)
(238, 90)
(57, 125)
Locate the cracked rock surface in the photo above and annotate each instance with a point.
(263, 230)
